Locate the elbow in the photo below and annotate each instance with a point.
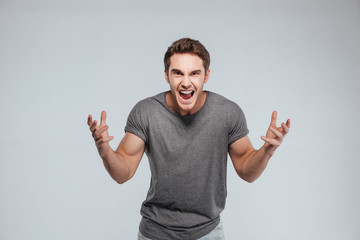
(120, 180)
(248, 178)
(120, 177)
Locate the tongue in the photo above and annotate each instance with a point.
(186, 96)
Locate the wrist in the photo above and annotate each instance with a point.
(104, 150)
(269, 149)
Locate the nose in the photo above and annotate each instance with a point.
(186, 83)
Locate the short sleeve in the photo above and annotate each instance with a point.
(137, 123)
(237, 122)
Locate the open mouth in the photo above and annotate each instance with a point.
(186, 94)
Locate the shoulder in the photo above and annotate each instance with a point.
(150, 103)
(219, 101)
(229, 110)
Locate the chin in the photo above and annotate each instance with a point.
(187, 105)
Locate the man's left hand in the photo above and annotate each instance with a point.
(275, 135)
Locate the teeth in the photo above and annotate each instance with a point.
(186, 92)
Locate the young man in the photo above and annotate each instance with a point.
(186, 134)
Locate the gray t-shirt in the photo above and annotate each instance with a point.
(188, 160)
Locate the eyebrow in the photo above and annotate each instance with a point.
(178, 70)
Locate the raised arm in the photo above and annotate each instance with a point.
(250, 163)
(122, 163)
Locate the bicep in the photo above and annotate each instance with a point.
(131, 150)
(239, 151)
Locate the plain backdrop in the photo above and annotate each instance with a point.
(62, 60)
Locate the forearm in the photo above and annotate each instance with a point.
(250, 163)
(121, 164)
(115, 165)
(256, 163)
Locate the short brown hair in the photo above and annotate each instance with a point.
(187, 45)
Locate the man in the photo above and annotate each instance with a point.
(186, 134)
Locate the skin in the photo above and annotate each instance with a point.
(186, 73)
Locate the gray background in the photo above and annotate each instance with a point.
(61, 60)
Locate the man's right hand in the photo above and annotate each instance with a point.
(100, 133)
(121, 164)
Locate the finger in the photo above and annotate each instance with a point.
(93, 126)
(99, 131)
(284, 128)
(104, 140)
(273, 118)
(103, 118)
(89, 119)
(288, 123)
(271, 141)
(277, 133)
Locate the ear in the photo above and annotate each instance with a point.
(166, 76)
(207, 75)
